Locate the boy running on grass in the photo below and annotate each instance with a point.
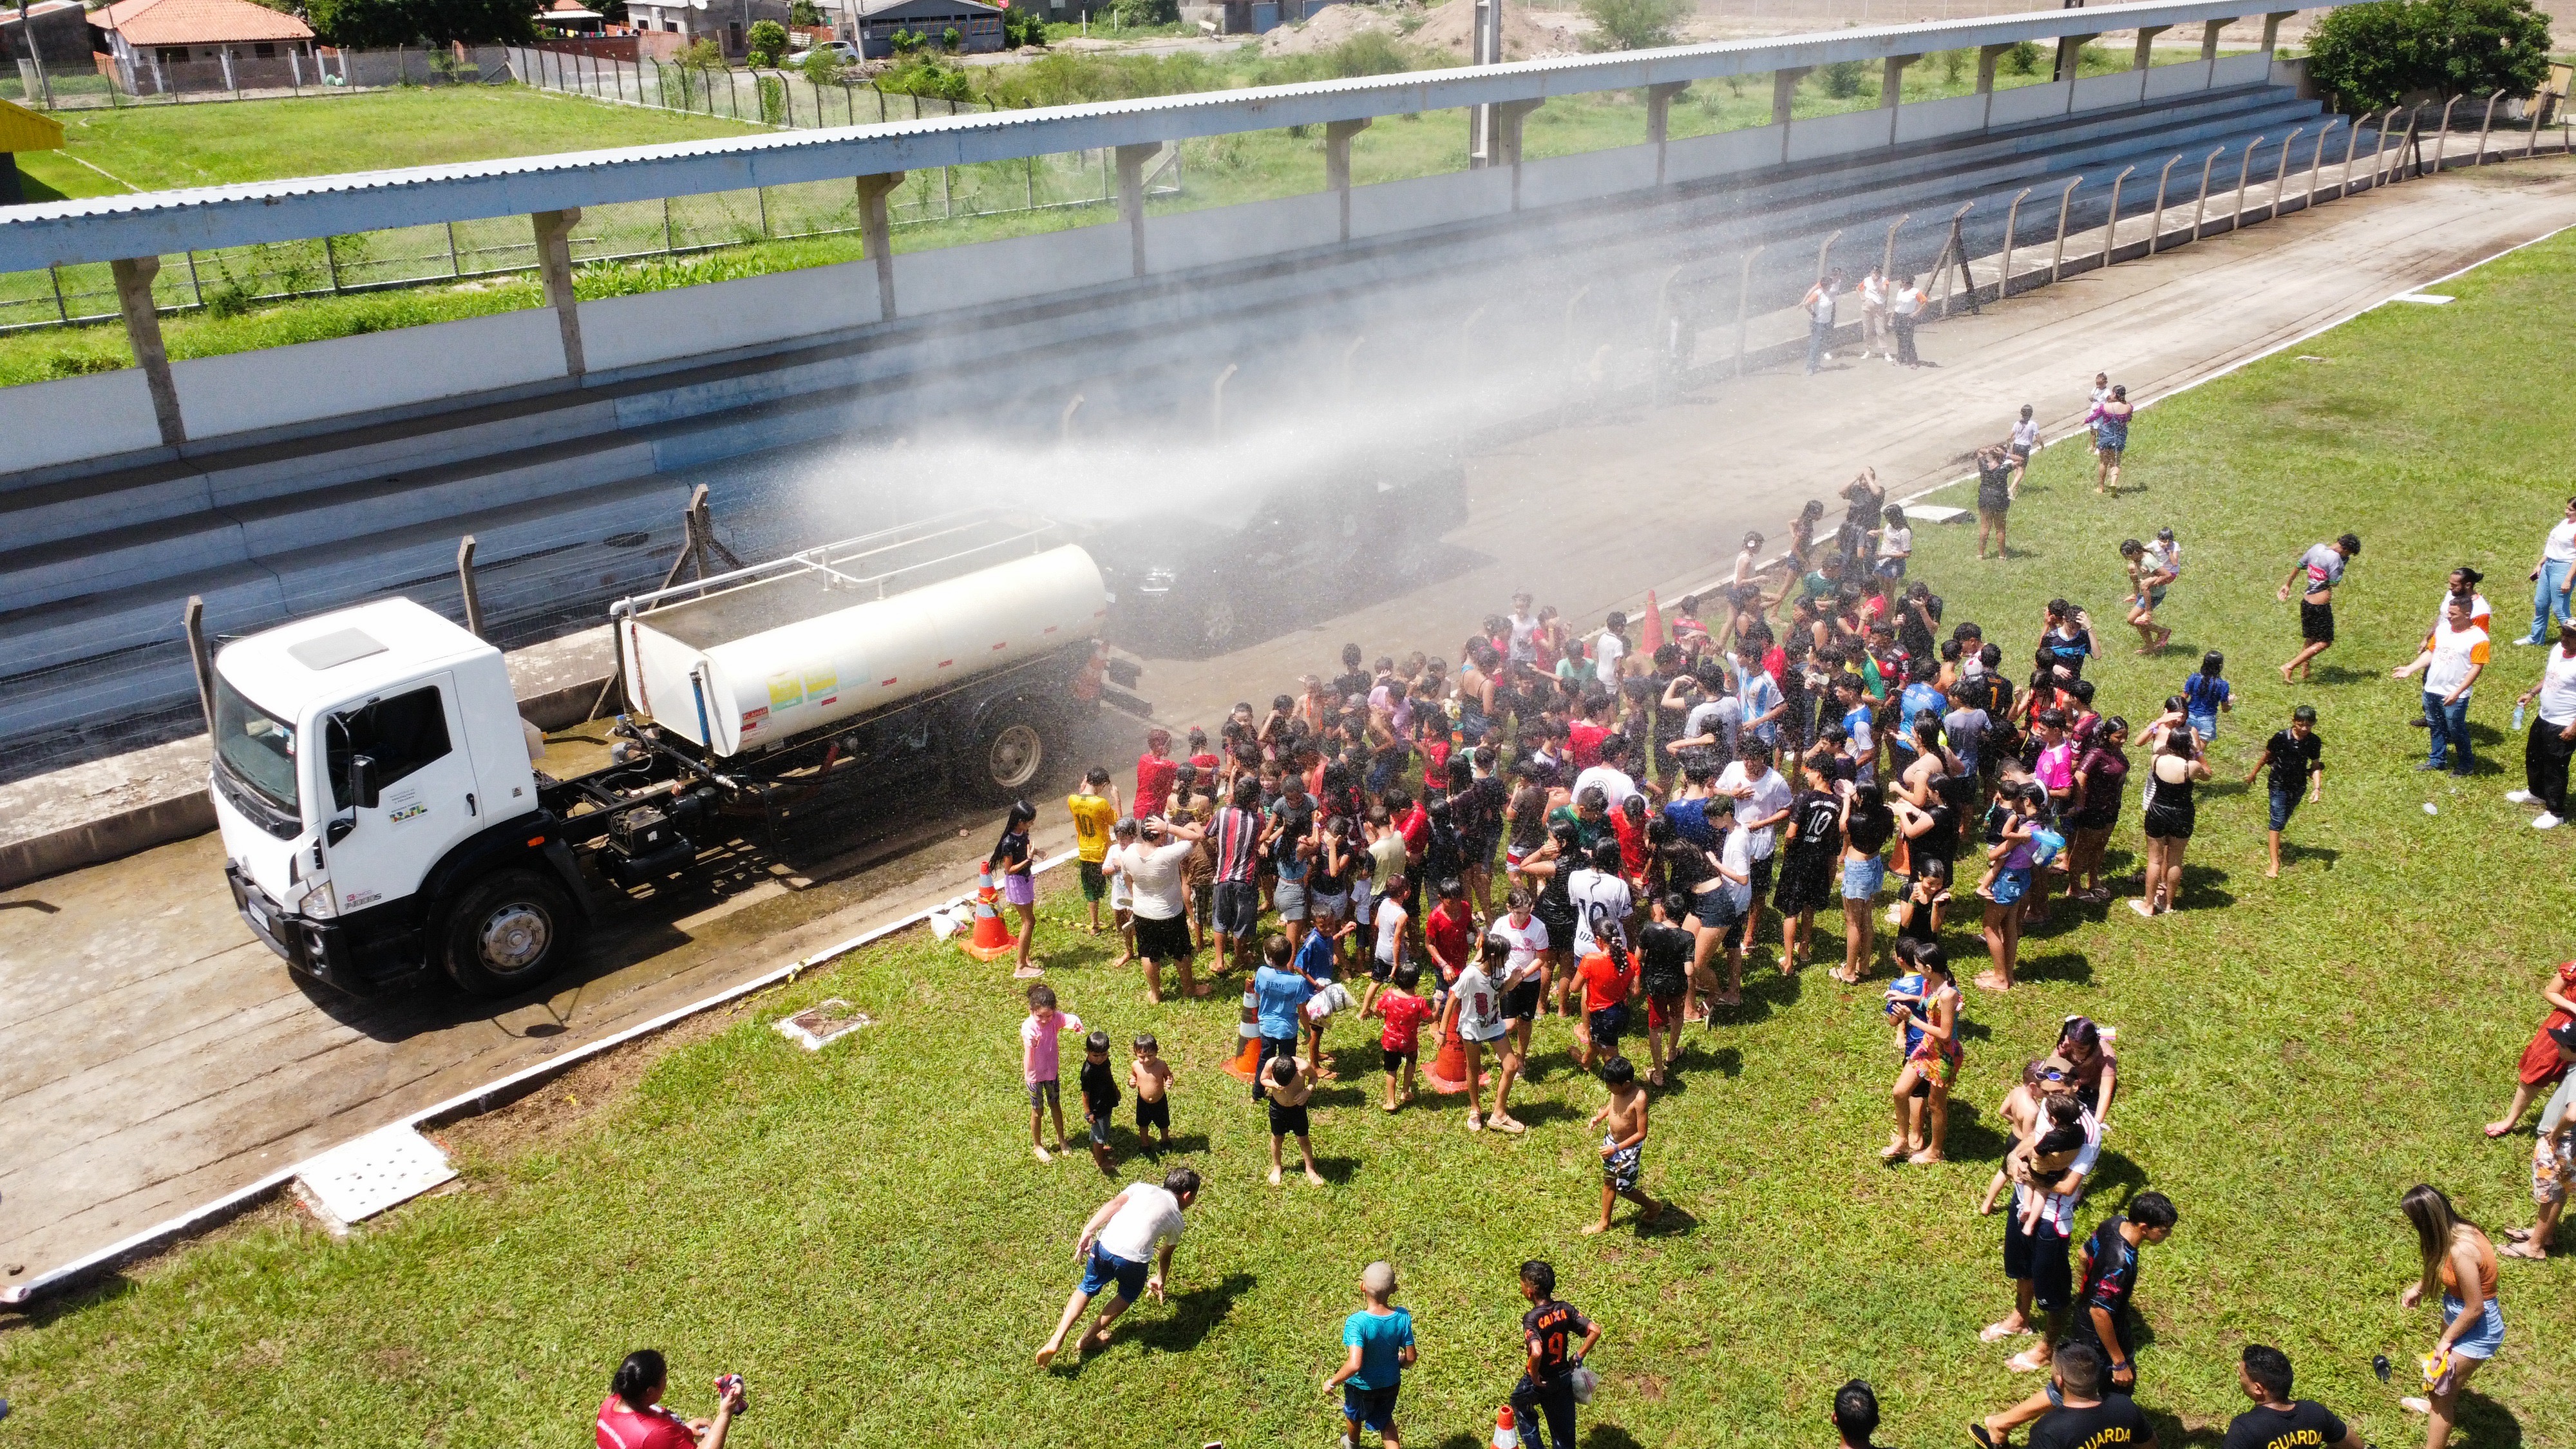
(1095, 815)
(1152, 1078)
(1380, 1340)
(1288, 1082)
(2296, 758)
(1623, 1144)
(1038, 1062)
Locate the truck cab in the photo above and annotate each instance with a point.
(370, 772)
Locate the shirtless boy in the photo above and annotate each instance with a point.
(1622, 1121)
(1152, 1078)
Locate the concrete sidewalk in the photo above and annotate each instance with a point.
(161, 1058)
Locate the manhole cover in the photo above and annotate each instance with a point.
(357, 1180)
(820, 1025)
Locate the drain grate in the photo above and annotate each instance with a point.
(820, 1025)
(357, 1180)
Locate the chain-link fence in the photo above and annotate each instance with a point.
(157, 76)
(496, 249)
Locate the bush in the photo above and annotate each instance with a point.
(369, 24)
(700, 55)
(768, 42)
(2022, 59)
(926, 76)
(1134, 13)
(1842, 79)
(822, 67)
(1634, 24)
(1022, 25)
(951, 41)
(2372, 56)
(1954, 66)
(903, 41)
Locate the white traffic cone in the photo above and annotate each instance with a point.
(1507, 1435)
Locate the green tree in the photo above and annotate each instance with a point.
(373, 24)
(2372, 56)
(768, 41)
(1023, 25)
(950, 40)
(804, 13)
(1842, 79)
(821, 66)
(2022, 59)
(1634, 24)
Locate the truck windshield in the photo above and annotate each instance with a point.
(258, 747)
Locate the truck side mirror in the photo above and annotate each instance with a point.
(362, 782)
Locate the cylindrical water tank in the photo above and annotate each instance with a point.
(779, 682)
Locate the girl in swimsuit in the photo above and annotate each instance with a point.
(2111, 439)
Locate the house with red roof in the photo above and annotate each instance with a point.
(201, 45)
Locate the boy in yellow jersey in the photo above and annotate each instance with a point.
(1095, 809)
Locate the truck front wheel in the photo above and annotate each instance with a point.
(509, 931)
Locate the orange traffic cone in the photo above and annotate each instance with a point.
(1448, 1074)
(1507, 1433)
(1248, 1061)
(1654, 630)
(993, 939)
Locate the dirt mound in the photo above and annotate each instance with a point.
(1527, 34)
(1334, 24)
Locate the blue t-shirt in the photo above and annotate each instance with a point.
(2202, 694)
(1280, 996)
(1379, 1340)
(1918, 700)
(1315, 956)
(1761, 695)
(1690, 822)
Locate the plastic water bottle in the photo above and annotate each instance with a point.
(2517, 716)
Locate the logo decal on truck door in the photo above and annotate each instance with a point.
(406, 813)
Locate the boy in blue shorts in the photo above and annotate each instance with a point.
(1380, 1340)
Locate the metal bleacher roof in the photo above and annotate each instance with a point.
(166, 222)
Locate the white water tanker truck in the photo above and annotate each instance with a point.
(377, 791)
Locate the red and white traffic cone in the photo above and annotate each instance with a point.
(1507, 1434)
(993, 939)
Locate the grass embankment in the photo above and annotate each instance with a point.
(171, 146)
(864, 1233)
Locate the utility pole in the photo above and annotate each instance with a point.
(35, 53)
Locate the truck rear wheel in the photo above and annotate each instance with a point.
(509, 931)
(1012, 752)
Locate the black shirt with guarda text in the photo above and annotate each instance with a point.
(2304, 1425)
(2107, 1425)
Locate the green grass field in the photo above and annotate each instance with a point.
(864, 1233)
(174, 146)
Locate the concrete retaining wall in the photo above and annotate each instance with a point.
(55, 423)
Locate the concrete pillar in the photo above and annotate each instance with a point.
(2069, 48)
(1659, 117)
(876, 232)
(1987, 55)
(1508, 116)
(554, 265)
(143, 332)
(1337, 164)
(1131, 195)
(2209, 51)
(2272, 30)
(1891, 89)
(1784, 89)
(2145, 58)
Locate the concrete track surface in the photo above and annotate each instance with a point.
(160, 1058)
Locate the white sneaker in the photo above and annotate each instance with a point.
(2517, 797)
(2544, 821)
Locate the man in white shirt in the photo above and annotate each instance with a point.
(2455, 654)
(1615, 784)
(2553, 576)
(1819, 306)
(2546, 750)
(1609, 648)
(1142, 1222)
(1160, 901)
(1762, 800)
(1602, 903)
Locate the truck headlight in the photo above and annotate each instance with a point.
(318, 904)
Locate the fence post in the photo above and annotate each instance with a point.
(1825, 247)
(55, 274)
(2485, 126)
(2244, 165)
(877, 235)
(2316, 166)
(2156, 227)
(2111, 228)
(2442, 143)
(2057, 258)
(2281, 171)
(1743, 296)
(195, 288)
(666, 226)
(2351, 143)
(331, 262)
(2200, 208)
(1887, 256)
(2012, 219)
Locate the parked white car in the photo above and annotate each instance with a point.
(840, 50)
